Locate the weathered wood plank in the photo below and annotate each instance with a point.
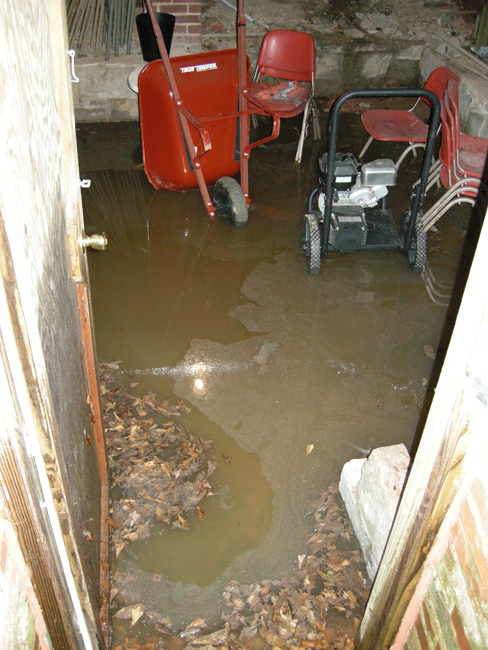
(40, 204)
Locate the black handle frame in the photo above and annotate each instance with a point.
(419, 191)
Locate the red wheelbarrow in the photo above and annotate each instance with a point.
(194, 114)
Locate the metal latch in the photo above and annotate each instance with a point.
(74, 78)
(98, 241)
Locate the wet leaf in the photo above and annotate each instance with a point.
(429, 351)
(119, 547)
(157, 466)
(143, 531)
(161, 474)
(130, 612)
(137, 612)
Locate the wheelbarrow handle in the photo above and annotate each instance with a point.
(194, 121)
(186, 114)
(186, 117)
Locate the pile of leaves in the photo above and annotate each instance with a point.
(294, 612)
(317, 606)
(158, 471)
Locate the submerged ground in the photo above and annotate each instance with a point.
(288, 375)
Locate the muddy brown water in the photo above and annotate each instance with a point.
(270, 360)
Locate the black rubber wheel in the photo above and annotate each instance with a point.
(311, 241)
(417, 252)
(229, 201)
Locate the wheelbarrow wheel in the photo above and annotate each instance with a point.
(417, 253)
(311, 241)
(229, 201)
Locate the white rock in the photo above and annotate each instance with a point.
(371, 491)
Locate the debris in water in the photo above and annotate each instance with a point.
(158, 471)
(429, 352)
(132, 613)
(162, 475)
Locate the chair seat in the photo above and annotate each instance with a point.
(394, 125)
(288, 106)
(472, 153)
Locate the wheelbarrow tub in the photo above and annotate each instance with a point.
(207, 83)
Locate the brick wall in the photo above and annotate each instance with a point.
(453, 590)
(188, 19)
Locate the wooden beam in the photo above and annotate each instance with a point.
(96, 417)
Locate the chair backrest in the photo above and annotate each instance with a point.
(438, 80)
(452, 92)
(287, 54)
(446, 149)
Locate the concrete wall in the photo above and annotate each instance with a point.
(346, 60)
(473, 91)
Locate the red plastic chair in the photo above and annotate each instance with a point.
(390, 125)
(470, 150)
(461, 184)
(287, 56)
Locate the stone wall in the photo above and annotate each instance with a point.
(473, 90)
(347, 59)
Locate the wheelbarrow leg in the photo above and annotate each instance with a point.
(202, 185)
(183, 113)
(243, 104)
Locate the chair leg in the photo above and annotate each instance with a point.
(315, 120)
(450, 198)
(365, 148)
(303, 133)
(434, 175)
(411, 148)
(434, 215)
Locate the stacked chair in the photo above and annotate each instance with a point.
(462, 159)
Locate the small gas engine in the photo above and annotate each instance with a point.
(355, 188)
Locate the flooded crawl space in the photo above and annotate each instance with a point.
(235, 385)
